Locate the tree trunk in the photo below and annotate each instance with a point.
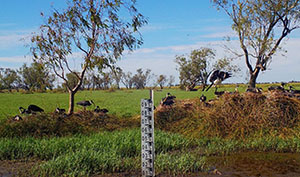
(190, 87)
(253, 77)
(161, 87)
(71, 102)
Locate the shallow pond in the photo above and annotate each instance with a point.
(257, 164)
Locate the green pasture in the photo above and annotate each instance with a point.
(117, 152)
(125, 103)
(120, 102)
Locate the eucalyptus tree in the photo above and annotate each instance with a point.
(97, 30)
(141, 78)
(9, 78)
(117, 74)
(171, 81)
(261, 26)
(161, 80)
(196, 67)
(36, 77)
(126, 79)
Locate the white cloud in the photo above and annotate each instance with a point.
(10, 41)
(14, 38)
(161, 60)
(16, 59)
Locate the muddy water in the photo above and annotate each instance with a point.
(257, 164)
(250, 164)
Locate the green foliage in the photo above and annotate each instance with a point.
(261, 27)
(36, 77)
(92, 27)
(9, 79)
(72, 81)
(140, 79)
(161, 80)
(196, 67)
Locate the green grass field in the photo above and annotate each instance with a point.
(120, 102)
(118, 152)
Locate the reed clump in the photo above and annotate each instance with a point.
(234, 115)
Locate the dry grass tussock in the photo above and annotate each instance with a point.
(234, 116)
(48, 125)
(231, 116)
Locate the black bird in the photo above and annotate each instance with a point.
(170, 96)
(293, 91)
(24, 111)
(98, 110)
(168, 100)
(218, 94)
(34, 108)
(278, 88)
(17, 118)
(202, 98)
(85, 103)
(217, 77)
(60, 111)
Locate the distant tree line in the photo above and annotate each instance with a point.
(37, 77)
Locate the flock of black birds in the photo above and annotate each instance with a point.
(33, 109)
(219, 76)
(216, 78)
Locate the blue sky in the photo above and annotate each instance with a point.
(175, 27)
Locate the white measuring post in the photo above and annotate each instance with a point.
(147, 128)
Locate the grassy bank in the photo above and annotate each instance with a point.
(119, 151)
(190, 137)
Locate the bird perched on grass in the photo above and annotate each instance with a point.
(218, 94)
(168, 100)
(32, 109)
(277, 88)
(217, 77)
(293, 90)
(60, 111)
(98, 110)
(24, 111)
(17, 118)
(202, 98)
(85, 103)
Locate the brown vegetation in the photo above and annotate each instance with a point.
(54, 124)
(233, 115)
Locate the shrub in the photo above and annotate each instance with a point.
(53, 124)
(234, 115)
